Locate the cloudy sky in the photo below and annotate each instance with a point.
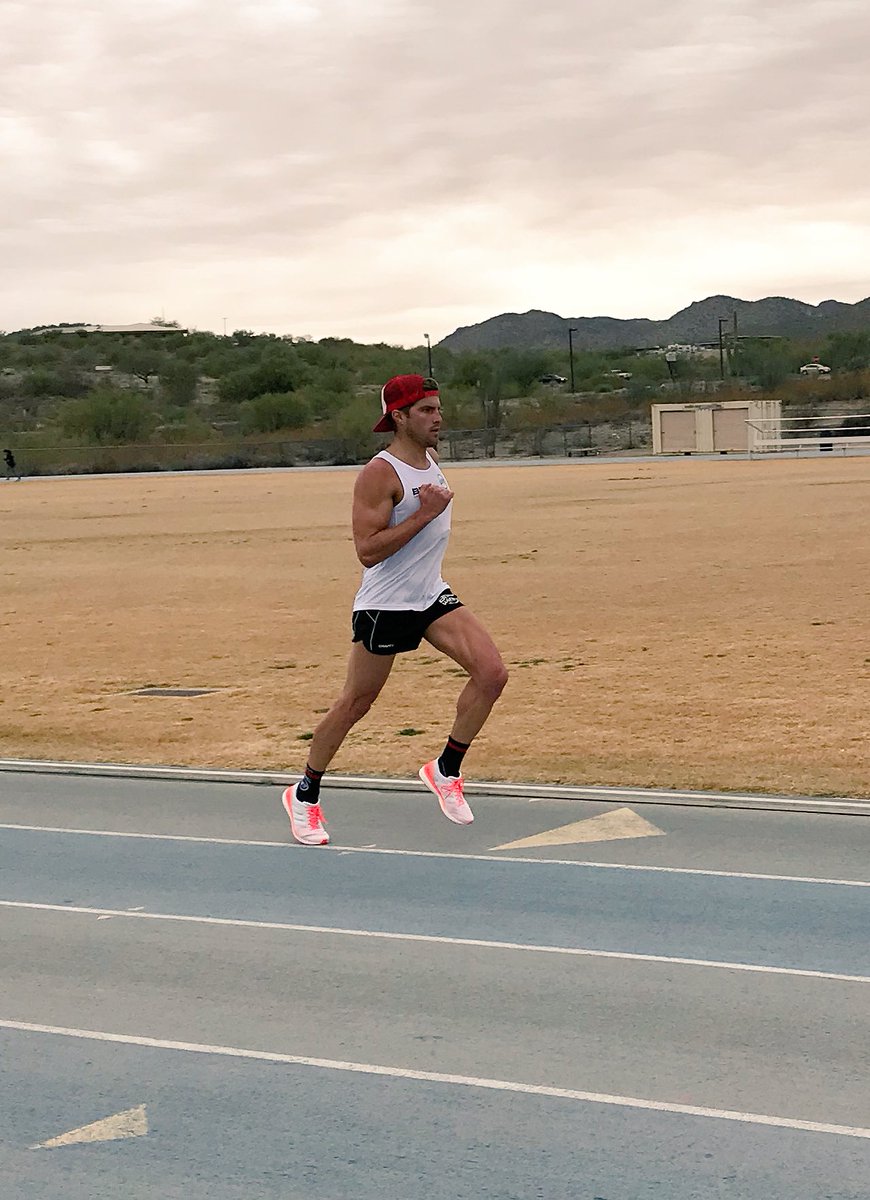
(380, 169)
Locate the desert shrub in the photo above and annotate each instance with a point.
(273, 411)
(107, 415)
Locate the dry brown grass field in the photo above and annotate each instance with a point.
(683, 623)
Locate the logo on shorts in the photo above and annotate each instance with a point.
(448, 598)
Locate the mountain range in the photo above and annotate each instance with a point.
(773, 316)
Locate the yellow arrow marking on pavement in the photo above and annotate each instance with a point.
(609, 827)
(129, 1124)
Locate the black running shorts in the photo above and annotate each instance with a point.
(382, 631)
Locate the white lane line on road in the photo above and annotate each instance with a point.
(496, 1085)
(488, 858)
(103, 914)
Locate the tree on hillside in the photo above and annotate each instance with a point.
(378, 363)
(484, 374)
(523, 367)
(270, 375)
(337, 380)
(43, 381)
(140, 360)
(272, 411)
(178, 383)
(353, 424)
(108, 415)
(849, 351)
(768, 363)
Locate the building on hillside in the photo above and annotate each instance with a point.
(143, 327)
(708, 349)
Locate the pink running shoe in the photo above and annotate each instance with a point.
(448, 789)
(306, 820)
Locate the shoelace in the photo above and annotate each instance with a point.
(315, 816)
(453, 792)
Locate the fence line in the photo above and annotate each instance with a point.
(456, 445)
(794, 434)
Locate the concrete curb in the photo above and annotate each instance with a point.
(832, 806)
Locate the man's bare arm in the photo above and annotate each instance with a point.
(376, 493)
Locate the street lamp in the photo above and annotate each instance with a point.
(429, 352)
(571, 333)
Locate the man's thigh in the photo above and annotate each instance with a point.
(464, 638)
(367, 673)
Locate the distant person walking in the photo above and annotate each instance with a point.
(9, 459)
(401, 525)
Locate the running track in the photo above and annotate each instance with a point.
(412, 1013)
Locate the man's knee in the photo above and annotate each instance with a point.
(501, 677)
(357, 704)
(492, 679)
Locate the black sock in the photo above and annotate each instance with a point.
(450, 762)
(308, 788)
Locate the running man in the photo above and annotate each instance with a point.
(9, 459)
(401, 526)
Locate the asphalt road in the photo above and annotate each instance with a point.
(413, 1013)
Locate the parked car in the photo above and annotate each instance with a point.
(815, 368)
(552, 379)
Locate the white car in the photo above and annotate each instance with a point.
(815, 368)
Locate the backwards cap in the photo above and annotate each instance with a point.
(401, 392)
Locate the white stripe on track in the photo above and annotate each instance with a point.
(488, 858)
(531, 791)
(434, 939)
(496, 1085)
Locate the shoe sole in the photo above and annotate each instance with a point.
(434, 790)
(286, 797)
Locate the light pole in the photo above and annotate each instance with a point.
(722, 321)
(571, 333)
(428, 352)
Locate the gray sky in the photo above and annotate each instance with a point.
(379, 169)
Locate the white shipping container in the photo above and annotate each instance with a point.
(713, 428)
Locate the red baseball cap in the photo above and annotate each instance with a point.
(401, 392)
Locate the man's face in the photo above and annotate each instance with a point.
(421, 422)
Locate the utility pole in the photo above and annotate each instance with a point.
(571, 333)
(722, 321)
(428, 352)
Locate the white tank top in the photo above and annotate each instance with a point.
(410, 579)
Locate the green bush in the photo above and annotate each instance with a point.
(178, 384)
(108, 415)
(273, 411)
(271, 376)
